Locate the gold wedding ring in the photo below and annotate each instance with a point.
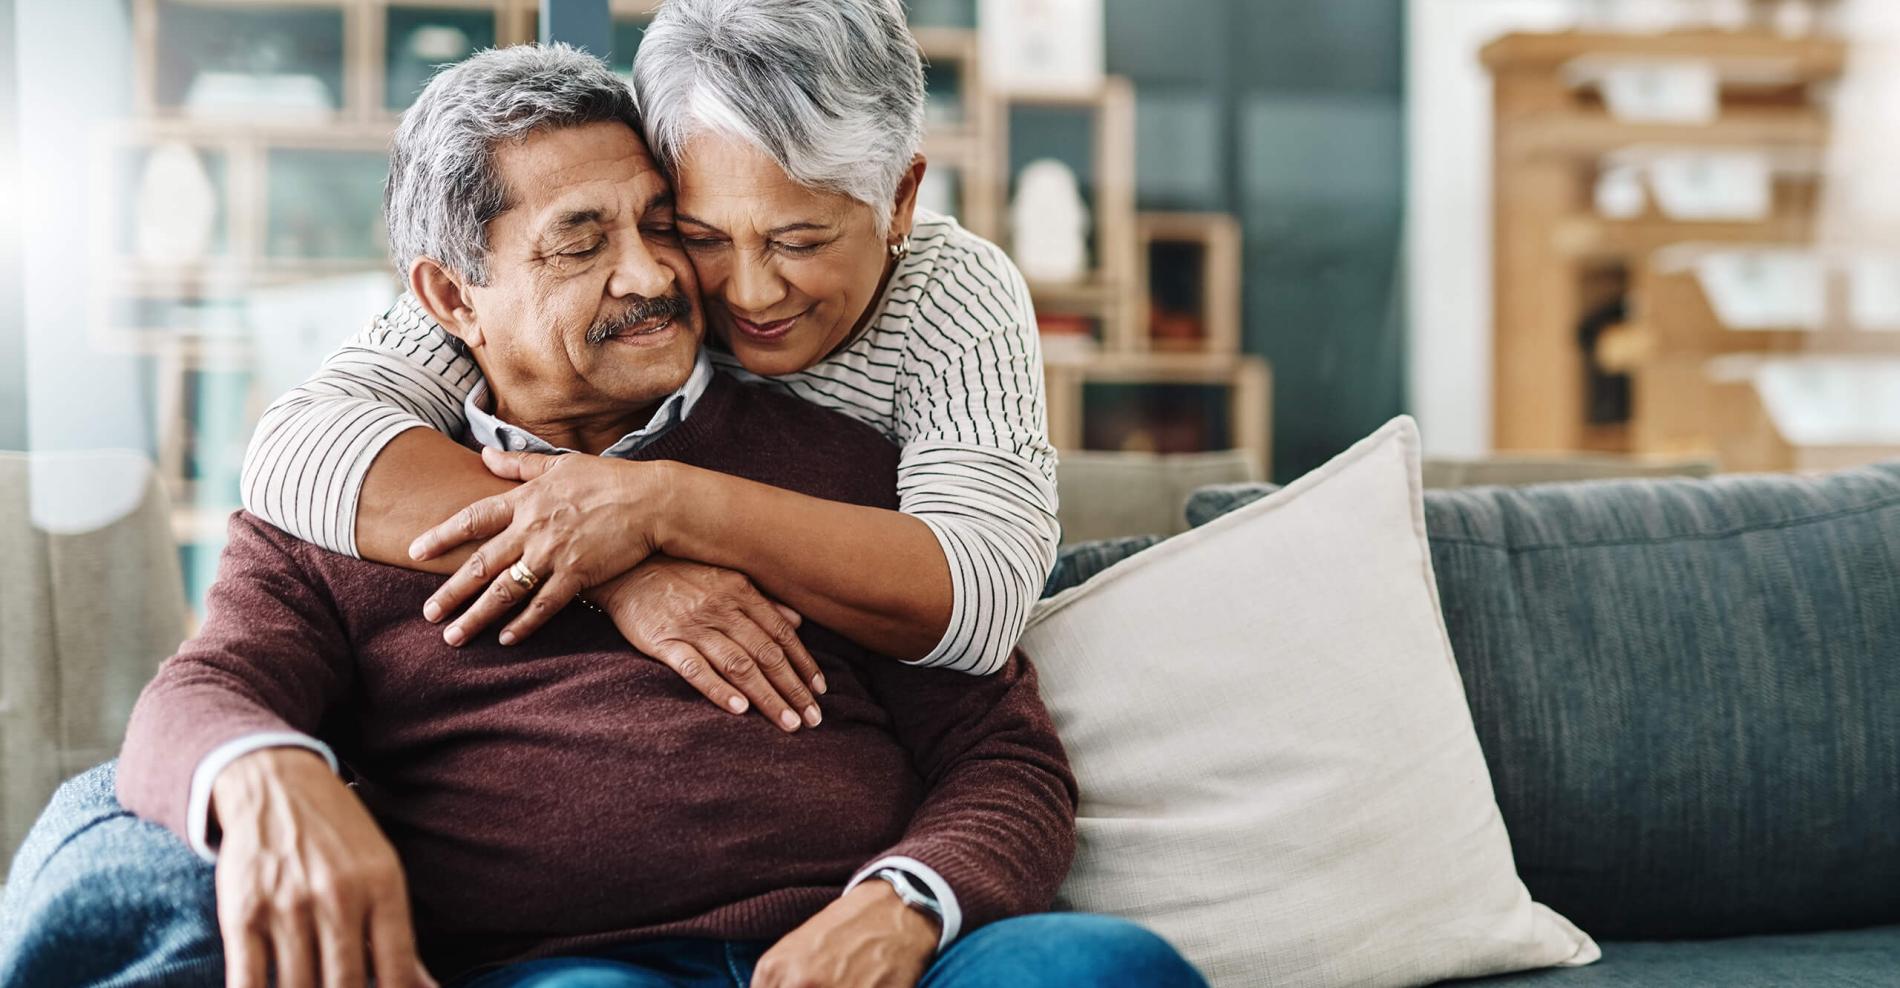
(523, 577)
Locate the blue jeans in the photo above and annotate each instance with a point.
(1051, 950)
(99, 897)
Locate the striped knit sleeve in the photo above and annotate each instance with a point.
(305, 467)
(977, 466)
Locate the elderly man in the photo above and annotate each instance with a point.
(565, 811)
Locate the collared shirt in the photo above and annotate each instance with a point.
(493, 432)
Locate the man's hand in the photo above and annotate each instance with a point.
(867, 939)
(575, 522)
(715, 629)
(307, 885)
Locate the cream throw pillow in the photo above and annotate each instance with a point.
(1278, 769)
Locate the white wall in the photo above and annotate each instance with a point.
(75, 77)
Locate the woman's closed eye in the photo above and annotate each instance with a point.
(797, 250)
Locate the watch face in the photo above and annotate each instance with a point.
(909, 889)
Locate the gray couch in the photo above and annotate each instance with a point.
(1688, 693)
(91, 601)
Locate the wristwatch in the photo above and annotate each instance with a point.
(912, 892)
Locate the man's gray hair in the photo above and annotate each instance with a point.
(831, 90)
(443, 187)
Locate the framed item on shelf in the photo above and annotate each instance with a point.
(1042, 46)
(1190, 267)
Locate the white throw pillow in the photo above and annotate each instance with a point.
(1278, 769)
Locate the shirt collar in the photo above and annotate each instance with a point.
(493, 432)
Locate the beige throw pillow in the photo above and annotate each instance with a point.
(1278, 769)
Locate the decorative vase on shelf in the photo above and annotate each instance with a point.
(177, 206)
(1049, 223)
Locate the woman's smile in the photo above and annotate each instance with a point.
(765, 332)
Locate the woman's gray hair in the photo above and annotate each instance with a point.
(443, 187)
(831, 90)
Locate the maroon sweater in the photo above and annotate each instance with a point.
(569, 792)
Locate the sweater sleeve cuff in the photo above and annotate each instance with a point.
(946, 897)
(198, 809)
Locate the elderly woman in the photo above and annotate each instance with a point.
(791, 130)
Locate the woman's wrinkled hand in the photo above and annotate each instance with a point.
(575, 522)
(713, 627)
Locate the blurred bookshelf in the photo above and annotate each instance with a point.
(1658, 285)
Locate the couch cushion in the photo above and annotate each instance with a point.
(1291, 795)
(1860, 957)
(1075, 564)
(1688, 693)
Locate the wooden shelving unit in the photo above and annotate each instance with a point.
(1677, 345)
(176, 313)
(1115, 297)
(1209, 322)
(1553, 132)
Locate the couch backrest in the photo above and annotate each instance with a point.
(91, 601)
(1688, 692)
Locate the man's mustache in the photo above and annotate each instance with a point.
(672, 306)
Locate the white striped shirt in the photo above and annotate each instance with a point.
(950, 368)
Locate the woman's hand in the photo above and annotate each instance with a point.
(575, 522)
(715, 629)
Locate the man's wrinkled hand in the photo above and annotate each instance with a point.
(308, 888)
(867, 939)
(721, 634)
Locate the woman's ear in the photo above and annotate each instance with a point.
(904, 210)
(445, 300)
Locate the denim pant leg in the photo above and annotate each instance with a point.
(97, 896)
(674, 963)
(1062, 950)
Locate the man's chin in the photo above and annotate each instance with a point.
(639, 376)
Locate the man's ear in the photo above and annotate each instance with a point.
(443, 297)
(903, 213)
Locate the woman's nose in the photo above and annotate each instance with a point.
(752, 286)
